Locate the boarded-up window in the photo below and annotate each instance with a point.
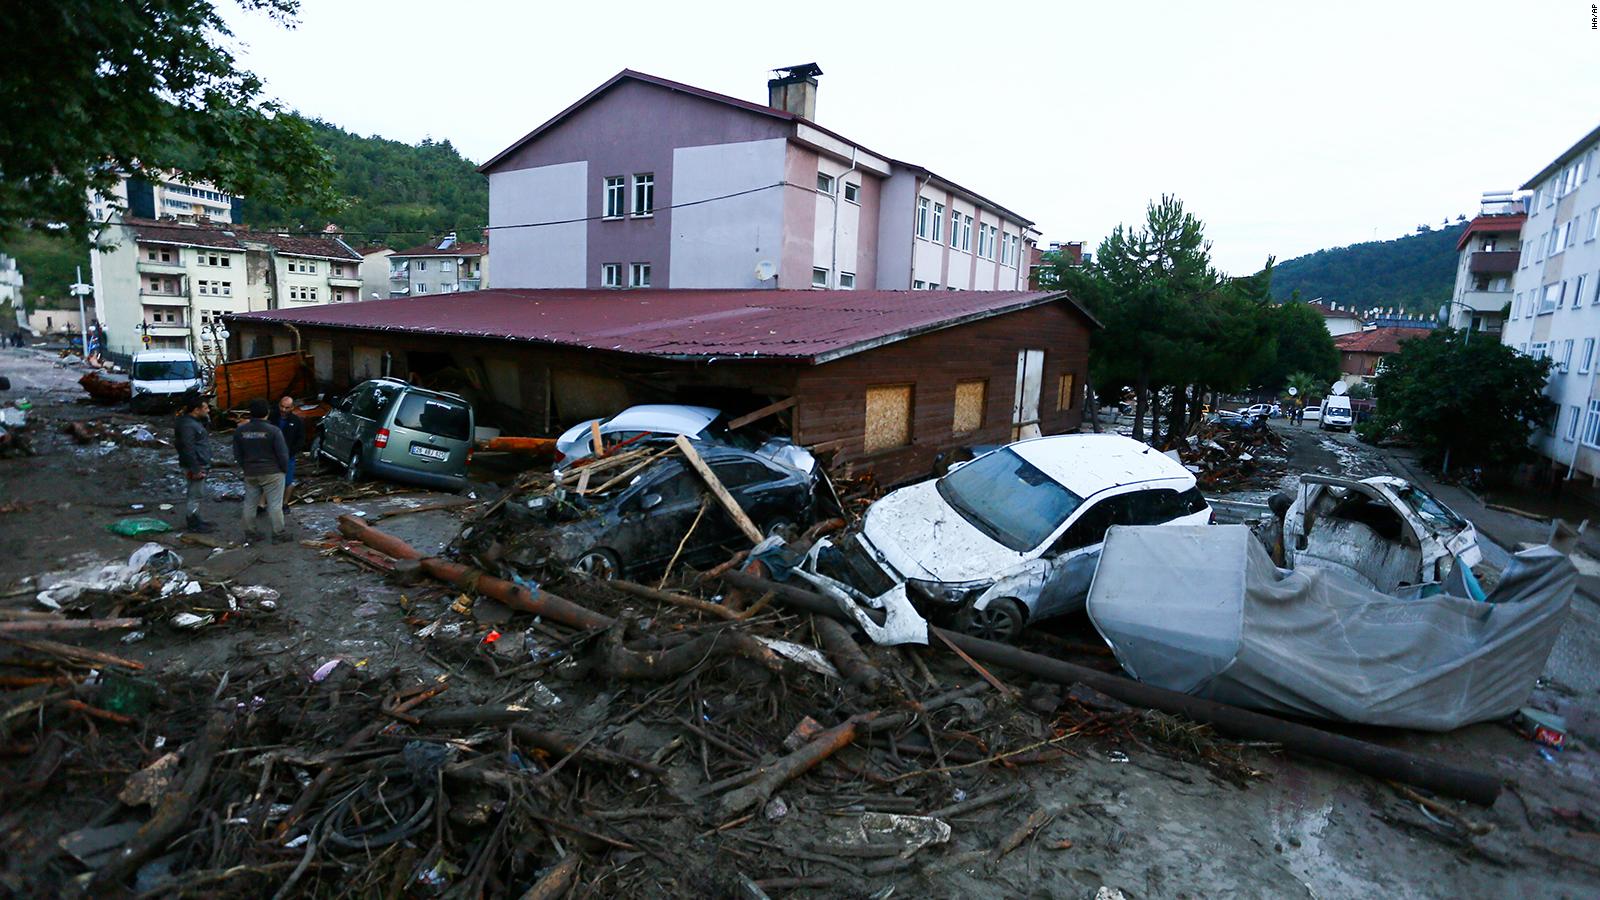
(970, 396)
(888, 417)
(1064, 392)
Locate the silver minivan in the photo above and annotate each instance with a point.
(394, 430)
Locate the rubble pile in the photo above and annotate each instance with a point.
(109, 434)
(1223, 455)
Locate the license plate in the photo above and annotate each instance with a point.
(429, 452)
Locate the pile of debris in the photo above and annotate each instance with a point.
(14, 429)
(1230, 454)
(108, 434)
(107, 387)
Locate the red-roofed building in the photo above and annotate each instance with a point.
(1362, 352)
(445, 266)
(1489, 250)
(936, 371)
(1339, 320)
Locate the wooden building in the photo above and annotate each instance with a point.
(886, 380)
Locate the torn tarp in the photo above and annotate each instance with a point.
(1204, 611)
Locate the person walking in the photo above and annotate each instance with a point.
(193, 440)
(294, 436)
(264, 459)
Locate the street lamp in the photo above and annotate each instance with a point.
(81, 290)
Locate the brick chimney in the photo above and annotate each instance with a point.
(795, 90)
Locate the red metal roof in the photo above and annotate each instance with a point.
(460, 248)
(1378, 340)
(1511, 224)
(808, 325)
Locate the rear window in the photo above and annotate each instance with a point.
(438, 417)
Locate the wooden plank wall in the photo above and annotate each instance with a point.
(832, 408)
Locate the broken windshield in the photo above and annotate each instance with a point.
(1429, 508)
(1007, 498)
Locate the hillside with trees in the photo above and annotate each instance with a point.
(392, 193)
(1415, 272)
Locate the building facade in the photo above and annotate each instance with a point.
(375, 272)
(447, 266)
(647, 182)
(1361, 353)
(1555, 304)
(166, 285)
(1339, 320)
(1489, 249)
(171, 196)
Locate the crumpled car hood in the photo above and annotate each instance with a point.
(922, 537)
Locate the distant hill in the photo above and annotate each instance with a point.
(1415, 272)
(398, 194)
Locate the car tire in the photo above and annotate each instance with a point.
(1001, 620)
(318, 459)
(598, 563)
(354, 471)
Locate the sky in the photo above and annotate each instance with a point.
(1285, 127)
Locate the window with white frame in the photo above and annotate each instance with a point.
(824, 184)
(644, 194)
(422, 288)
(819, 278)
(847, 281)
(639, 275)
(852, 192)
(1566, 234)
(1552, 244)
(1548, 297)
(966, 234)
(938, 221)
(1594, 224)
(420, 265)
(615, 195)
(1516, 306)
(227, 288)
(924, 216)
(1573, 414)
(955, 229)
(1591, 425)
(1577, 291)
(1541, 349)
(1005, 249)
(994, 238)
(1565, 361)
(611, 275)
(933, 286)
(919, 285)
(1586, 356)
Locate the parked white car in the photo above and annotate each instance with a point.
(1384, 532)
(160, 377)
(655, 421)
(1270, 410)
(1336, 413)
(1013, 536)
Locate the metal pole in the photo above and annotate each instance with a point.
(83, 317)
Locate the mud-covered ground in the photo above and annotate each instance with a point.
(1126, 813)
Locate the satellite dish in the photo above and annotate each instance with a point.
(1294, 391)
(766, 270)
(1339, 388)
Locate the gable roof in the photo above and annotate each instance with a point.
(1331, 313)
(228, 237)
(1378, 340)
(727, 100)
(796, 325)
(460, 248)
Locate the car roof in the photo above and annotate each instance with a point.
(162, 355)
(1087, 464)
(670, 418)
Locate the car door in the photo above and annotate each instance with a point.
(654, 517)
(758, 488)
(1075, 555)
(336, 429)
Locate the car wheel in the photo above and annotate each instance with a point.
(318, 447)
(1000, 621)
(598, 563)
(353, 470)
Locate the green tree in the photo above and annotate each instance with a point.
(1302, 345)
(1361, 391)
(90, 89)
(1475, 401)
(1306, 386)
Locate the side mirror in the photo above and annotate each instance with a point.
(649, 501)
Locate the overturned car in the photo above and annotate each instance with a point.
(1384, 532)
(1012, 536)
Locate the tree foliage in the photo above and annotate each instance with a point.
(1302, 344)
(1479, 399)
(391, 193)
(90, 89)
(48, 261)
(1416, 272)
(1307, 386)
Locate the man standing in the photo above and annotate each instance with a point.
(294, 436)
(193, 441)
(264, 459)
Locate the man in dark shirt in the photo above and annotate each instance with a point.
(294, 435)
(193, 441)
(264, 459)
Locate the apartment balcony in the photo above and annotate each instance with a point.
(1486, 301)
(401, 276)
(346, 281)
(149, 299)
(469, 284)
(1497, 262)
(161, 268)
(166, 329)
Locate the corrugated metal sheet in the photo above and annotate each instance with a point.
(813, 325)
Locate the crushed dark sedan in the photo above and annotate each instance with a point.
(637, 527)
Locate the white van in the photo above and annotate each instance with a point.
(160, 377)
(1336, 413)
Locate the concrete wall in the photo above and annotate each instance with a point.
(546, 256)
(375, 275)
(718, 244)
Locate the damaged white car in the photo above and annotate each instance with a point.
(1385, 532)
(1012, 536)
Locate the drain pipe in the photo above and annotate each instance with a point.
(911, 262)
(838, 194)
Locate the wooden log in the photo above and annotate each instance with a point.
(735, 511)
(620, 662)
(173, 814)
(846, 654)
(68, 625)
(556, 881)
(551, 606)
(557, 745)
(1369, 759)
(645, 592)
(69, 652)
(538, 448)
(771, 777)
